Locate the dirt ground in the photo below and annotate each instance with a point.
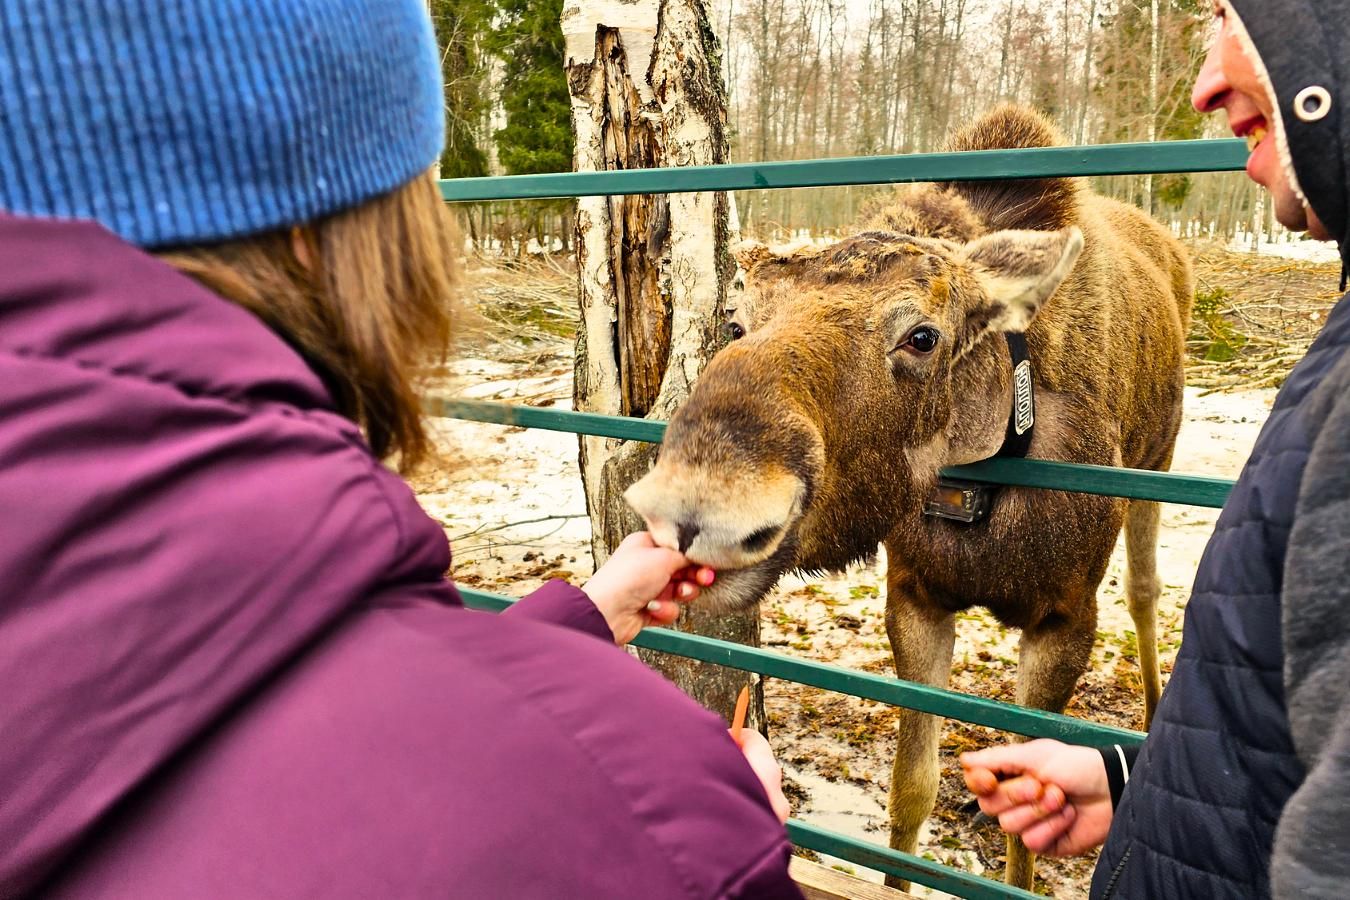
(511, 501)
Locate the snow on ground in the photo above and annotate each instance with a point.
(1287, 247)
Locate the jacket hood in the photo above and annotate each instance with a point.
(1300, 45)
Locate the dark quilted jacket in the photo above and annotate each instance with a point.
(1199, 813)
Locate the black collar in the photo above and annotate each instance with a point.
(1022, 417)
(970, 501)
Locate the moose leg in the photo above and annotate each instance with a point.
(921, 641)
(1142, 588)
(1053, 655)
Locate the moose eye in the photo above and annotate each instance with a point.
(733, 331)
(922, 340)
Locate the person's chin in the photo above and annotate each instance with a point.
(1292, 214)
(1313, 226)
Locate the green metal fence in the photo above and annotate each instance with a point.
(1116, 159)
(979, 165)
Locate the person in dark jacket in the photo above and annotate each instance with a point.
(1242, 788)
(230, 661)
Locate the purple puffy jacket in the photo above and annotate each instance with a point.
(230, 663)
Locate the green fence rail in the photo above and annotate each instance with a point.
(1137, 484)
(905, 865)
(982, 165)
(893, 691)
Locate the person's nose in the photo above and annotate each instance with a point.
(1211, 87)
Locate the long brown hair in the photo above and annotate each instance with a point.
(367, 309)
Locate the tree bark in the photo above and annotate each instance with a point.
(1010, 13)
(646, 86)
(1153, 65)
(1086, 92)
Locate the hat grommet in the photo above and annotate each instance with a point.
(1312, 103)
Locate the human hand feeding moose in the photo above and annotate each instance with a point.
(870, 364)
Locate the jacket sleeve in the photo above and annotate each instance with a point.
(560, 603)
(767, 878)
(1311, 857)
(1119, 760)
(461, 753)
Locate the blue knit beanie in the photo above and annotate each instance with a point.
(190, 121)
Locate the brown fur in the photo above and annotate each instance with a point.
(824, 386)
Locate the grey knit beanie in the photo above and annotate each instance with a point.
(190, 121)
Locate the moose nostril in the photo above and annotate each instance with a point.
(687, 533)
(759, 539)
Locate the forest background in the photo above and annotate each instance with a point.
(810, 79)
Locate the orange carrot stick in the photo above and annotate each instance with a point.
(738, 720)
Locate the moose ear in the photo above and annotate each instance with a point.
(1018, 270)
(750, 253)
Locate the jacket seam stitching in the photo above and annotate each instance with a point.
(1242, 667)
(1186, 798)
(1228, 736)
(1217, 876)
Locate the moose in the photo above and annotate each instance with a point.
(868, 365)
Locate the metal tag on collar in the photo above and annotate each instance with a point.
(1024, 409)
(1022, 417)
(959, 501)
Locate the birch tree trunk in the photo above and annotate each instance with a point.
(653, 271)
(1009, 15)
(1153, 65)
(1081, 132)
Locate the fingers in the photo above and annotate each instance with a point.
(640, 545)
(1050, 836)
(980, 781)
(662, 612)
(638, 540)
(760, 756)
(688, 582)
(1011, 759)
(1010, 794)
(1018, 819)
(676, 563)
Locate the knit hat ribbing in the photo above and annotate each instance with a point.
(190, 121)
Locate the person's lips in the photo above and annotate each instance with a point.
(1255, 131)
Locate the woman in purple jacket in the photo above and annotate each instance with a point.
(230, 663)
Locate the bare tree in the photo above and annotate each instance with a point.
(646, 91)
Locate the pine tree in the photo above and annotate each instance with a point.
(1123, 80)
(460, 27)
(528, 40)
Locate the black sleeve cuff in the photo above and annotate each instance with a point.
(1119, 761)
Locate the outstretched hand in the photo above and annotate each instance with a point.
(760, 756)
(1054, 795)
(642, 584)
